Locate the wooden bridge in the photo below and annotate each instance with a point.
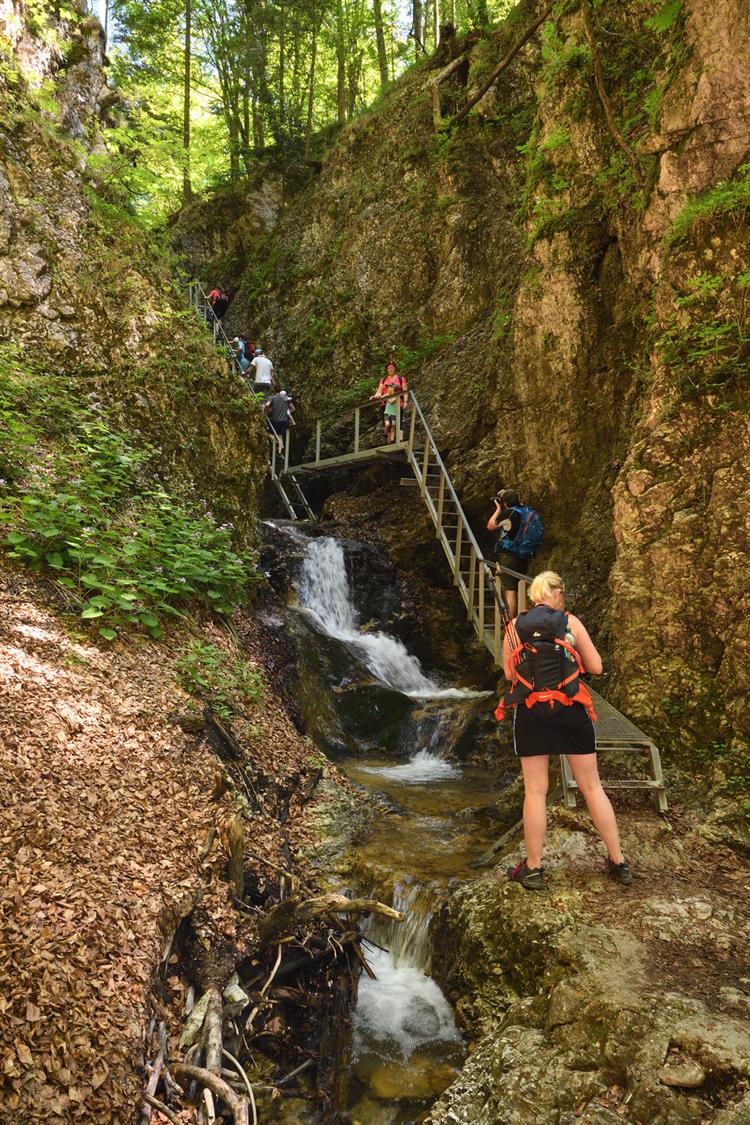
(476, 579)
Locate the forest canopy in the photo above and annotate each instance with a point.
(209, 87)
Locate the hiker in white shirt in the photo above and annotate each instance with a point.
(262, 369)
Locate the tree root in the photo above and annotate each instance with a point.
(239, 1106)
(477, 97)
(163, 1109)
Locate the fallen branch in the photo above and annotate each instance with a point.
(163, 1109)
(609, 116)
(340, 904)
(155, 1074)
(437, 115)
(530, 30)
(219, 1087)
(210, 837)
(264, 990)
(287, 915)
(212, 1031)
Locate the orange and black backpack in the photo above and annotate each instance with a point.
(546, 666)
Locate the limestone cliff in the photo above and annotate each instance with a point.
(563, 275)
(87, 291)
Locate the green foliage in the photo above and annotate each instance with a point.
(666, 17)
(705, 343)
(346, 398)
(561, 56)
(78, 500)
(728, 198)
(558, 138)
(409, 358)
(228, 683)
(732, 764)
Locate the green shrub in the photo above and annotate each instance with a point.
(78, 499)
(730, 197)
(226, 683)
(705, 343)
(409, 358)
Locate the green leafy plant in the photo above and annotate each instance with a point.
(730, 197)
(666, 17)
(227, 683)
(79, 501)
(705, 343)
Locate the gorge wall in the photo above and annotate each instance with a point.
(88, 293)
(564, 279)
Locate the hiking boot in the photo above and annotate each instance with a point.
(531, 878)
(620, 872)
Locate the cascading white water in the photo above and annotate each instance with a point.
(325, 593)
(403, 1008)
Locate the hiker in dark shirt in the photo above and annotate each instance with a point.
(278, 409)
(219, 301)
(506, 520)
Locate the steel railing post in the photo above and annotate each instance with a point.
(398, 420)
(286, 452)
(472, 583)
(440, 504)
(412, 431)
(457, 554)
(318, 434)
(356, 429)
(480, 603)
(425, 464)
(498, 638)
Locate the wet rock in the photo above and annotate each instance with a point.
(586, 1009)
(737, 1114)
(684, 1073)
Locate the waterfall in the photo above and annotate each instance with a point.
(403, 1010)
(325, 594)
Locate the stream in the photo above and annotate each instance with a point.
(406, 1046)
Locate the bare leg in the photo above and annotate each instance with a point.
(586, 773)
(535, 783)
(511, 598)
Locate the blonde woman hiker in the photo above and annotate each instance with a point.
(545, 652)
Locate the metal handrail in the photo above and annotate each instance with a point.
(448, 481)
(199, 300)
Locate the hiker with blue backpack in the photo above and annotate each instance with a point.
(520, 534)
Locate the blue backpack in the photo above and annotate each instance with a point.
(529, 536)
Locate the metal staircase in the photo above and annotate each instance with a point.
(477, 580)
(200, 302)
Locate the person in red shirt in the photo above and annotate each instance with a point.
(391, 382)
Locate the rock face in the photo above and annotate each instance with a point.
(80, 286)
(586, 1002)
(572, 317)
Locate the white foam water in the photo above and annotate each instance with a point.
(420, 769)
(325, 594)
(402, 1009)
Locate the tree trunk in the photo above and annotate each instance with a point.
(416, 27)
(436, 14)
(377, 11)
(234, 148)
(311, 88)
(341, 63)
(187, 189)
(282, 71)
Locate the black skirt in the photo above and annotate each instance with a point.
(558, 729)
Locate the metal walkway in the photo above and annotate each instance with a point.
(200, 302)
(476, 579)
